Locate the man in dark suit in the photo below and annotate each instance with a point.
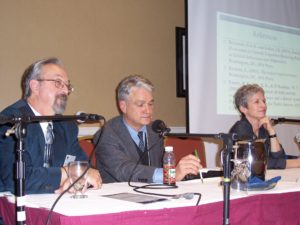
(46, 88)
(128, 146)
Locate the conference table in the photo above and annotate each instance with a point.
(279, 205)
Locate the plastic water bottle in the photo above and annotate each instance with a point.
(169, 166)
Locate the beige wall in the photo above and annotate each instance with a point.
(99, 42)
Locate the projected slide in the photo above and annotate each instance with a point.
(252, 51)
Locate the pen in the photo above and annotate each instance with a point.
(200, 173)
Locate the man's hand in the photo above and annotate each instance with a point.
(189, 164)
(93, 179)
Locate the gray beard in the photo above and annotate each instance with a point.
(60, 104)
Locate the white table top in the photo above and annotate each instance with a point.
(211, 192)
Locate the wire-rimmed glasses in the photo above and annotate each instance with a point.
(60, 84)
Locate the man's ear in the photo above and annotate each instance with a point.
(34, 86)
(122, 106)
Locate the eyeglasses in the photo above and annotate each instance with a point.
(60, 84)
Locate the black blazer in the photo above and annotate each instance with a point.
(276, 160)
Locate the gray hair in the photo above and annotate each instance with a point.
(33, 72)
(245, 92)
(133, 81)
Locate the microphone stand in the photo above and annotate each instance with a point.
(57, 117)
(228, 143)
(20, 133)
(228, 140)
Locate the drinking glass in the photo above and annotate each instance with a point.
(75, 170)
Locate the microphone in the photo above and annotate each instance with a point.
(85, 117)
(158, 126)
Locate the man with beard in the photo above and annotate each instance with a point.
(49, 146)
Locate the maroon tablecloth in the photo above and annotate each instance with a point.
(273, 209)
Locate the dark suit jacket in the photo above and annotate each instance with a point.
(276, 160)
(117, 154)
(38, 179)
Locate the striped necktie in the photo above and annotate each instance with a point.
(141, 143)
(49, 137)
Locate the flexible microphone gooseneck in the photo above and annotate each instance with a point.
(65, 191)
(146, 151)
(89, 118)
(158, 126)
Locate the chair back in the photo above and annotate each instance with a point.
(88, 147)
(183, 146)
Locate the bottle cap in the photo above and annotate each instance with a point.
(169, 148)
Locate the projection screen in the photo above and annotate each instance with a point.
(234, 42)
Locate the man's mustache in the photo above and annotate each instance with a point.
(63, 97)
